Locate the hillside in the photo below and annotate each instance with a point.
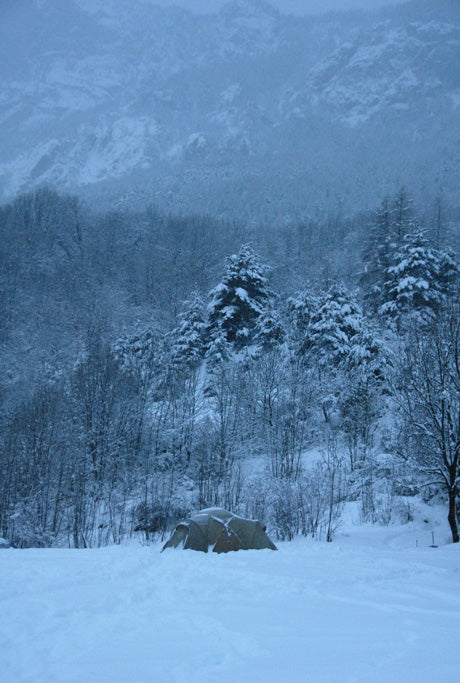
(245, 111)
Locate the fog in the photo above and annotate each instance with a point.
(229, 278)
(299, 7)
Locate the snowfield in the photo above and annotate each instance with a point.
(369, 607)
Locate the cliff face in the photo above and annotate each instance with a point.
(244, 111)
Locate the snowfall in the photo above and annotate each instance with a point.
(377, 604)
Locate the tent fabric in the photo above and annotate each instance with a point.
(220, 530)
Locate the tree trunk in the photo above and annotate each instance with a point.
(452, 517)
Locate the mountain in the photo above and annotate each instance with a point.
(246, 111)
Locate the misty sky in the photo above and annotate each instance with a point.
(286, 6)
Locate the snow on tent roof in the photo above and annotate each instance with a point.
(220, 530)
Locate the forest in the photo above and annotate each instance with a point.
(153, 364)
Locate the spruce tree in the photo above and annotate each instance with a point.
(377, 257)
(418, 282)
(390, 224)
(188, 339)
(333, 326)
(300, 310)
(402, 217)
(241, 306)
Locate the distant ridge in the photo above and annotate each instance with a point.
(246, 112)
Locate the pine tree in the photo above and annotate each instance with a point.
(270, 330)
(448, 273)
(300, 309)
(402, 217)
(241, 306)
(418, 281)
(141, 353)
(367, 355)
(386, 234)
(218, 351)
(377, 257)
(334, 326)
(188, 345)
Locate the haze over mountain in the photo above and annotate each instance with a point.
(243, 112)
(299, 7)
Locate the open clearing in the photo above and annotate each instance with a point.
(368, 607)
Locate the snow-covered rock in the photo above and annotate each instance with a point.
(239, 106)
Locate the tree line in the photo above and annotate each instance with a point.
(145, 374)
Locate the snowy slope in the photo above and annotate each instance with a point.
(368, 607)
(242, 109)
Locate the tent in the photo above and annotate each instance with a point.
(220, 530)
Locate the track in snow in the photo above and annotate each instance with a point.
(310, 612)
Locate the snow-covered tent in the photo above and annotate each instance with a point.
(220, 530)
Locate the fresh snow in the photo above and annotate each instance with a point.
(242, 294)
(370, 606)
(204, 113)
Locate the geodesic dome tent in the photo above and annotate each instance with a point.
(219, 530)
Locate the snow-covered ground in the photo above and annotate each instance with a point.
(369, 607)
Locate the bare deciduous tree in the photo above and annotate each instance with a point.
(429, 390)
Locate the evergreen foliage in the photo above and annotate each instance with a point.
(300, 309)
(419, 280)
(241, 304)
(334, 326)
(389, 225)
(112, 422)
(188, 338)
(377, 257)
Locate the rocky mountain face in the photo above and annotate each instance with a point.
(245, 112)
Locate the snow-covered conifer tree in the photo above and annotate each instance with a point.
(334, 326)
(418, 281)
(403, 221)
(241, 304)
(141, 352)
(188, 337)
(377, 257)
(300, 309)
(392, 221)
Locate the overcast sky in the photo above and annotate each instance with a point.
(286, 6)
